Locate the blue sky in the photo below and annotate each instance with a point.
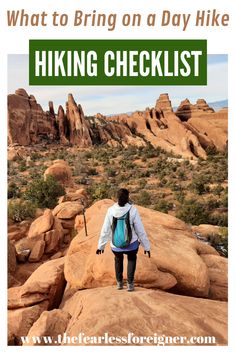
(119, 99)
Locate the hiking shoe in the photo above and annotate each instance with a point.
(130, 286)
(120, 285)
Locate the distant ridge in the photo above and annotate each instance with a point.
(218, 104)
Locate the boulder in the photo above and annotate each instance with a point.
(75, 196)
(57, 255)
(52, 239)
(61, 171)
(42, 224)
(49, 324)
(67, 210)
(144, 313)
(18, 231)
(23, 255)
(206, 229)
(27, 243)
(46, 283)
(11, 261)
(218, 274)
(21, 320)
(11, 257)
(55, 237)
(37, 251)
(176, 261)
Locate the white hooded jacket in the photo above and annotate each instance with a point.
(138, 232)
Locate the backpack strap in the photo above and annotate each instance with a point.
(128, 224)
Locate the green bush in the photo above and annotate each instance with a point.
(219, 240)
(35, 156)
(163, 206)
(110, 172)
(199, 185)
(92, 172)
(219, 219)
(144, 198)
(44, 193)
(22, 167)
(19, 210)
(217, 189)
(212, 204)
(179, 196)
(99, 190)
(193, 212)
(13, 191)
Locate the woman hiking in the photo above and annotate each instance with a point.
(124, 228)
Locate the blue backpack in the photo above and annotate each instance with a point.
(121, 231)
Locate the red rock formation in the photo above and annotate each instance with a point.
(187, 110)
(162, 128)
(163, 103)
(187, 132)
(62, 126)
(27, 122)
(79, 127)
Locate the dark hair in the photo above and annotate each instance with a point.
(122, 196)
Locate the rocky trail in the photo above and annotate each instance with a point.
(180, 291)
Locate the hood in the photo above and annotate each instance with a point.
(119, 211)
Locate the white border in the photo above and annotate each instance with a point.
(220, 41)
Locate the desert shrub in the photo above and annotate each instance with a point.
(224, 199)
(163, 182)
(11, 171)
(217, 189)
(92, 172)
(111, 172)
(199, 185)
(44, 193)
(174, 186)
(79, 169)
(82, 180)
(163, 206)
(87, 155)
(13, 191)
(193, 212)
(19, 210)
(211, 151)
(35, 156)
(212, 204)
(181, 174)
(179, 196)
(144, 198)
(186, 163)
(22, 166)
(127, 164)
(62, 155)
(142, 183)
(219, 219)
(99, 190)
(220, 241)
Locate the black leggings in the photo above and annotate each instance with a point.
(119, 258)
